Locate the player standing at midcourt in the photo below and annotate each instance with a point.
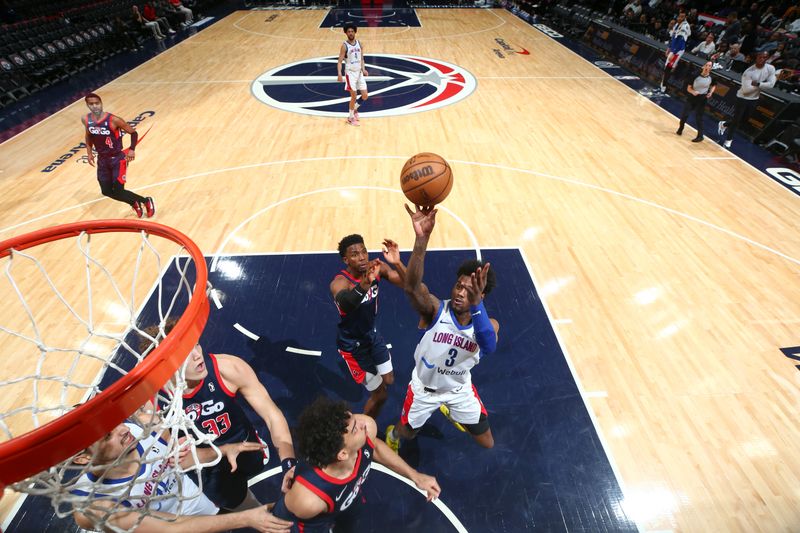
(352, 53)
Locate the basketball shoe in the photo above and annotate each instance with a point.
(150, 205)
(446, 412)
(137, 209)
(353, 121)
(394, 444)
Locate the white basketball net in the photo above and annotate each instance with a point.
(70, 325)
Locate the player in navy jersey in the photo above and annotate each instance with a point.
(456, 334)
(351, 53)
(337, 448)
(103, 134)
(214, 385)
(355, 293)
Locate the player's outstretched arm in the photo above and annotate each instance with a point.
(259, 518)
(385, 456)
(391, 253)
(423, 219)
(235, 371)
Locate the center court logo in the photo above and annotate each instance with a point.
(398, 85)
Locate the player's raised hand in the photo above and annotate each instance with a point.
(373, 270)
(428, 484)
(262, 519)
(232, 451)
(477, 284)
(391, 251)
(423, 219)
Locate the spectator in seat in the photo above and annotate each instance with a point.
(126, 34)
(635, 6)
(149, 13)
(178, 6)
(733, 29)
(726, 59)
(750, 39)
(776, 55)
(706, 48)
(141, 22)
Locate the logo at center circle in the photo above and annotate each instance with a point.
(397, 84)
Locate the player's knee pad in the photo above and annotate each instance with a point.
(482, 426)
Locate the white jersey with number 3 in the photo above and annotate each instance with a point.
(352, 58)
(446, 352)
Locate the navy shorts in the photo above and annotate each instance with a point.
(368, 355)
(228, 489)
(111, 169)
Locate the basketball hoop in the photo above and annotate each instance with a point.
(58, 430)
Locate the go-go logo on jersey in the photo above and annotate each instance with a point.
(398, 85)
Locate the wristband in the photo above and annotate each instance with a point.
(287, 464)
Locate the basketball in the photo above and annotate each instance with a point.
(426, 179)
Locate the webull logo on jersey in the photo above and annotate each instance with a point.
(397, 84)
(446, 372)
(82, 146)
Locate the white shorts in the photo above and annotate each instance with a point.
(464, 403)
(354, 81)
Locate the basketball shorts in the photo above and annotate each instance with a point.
(354, 81)
(672, 59)
(110, 169)
(228, 489)
(464, 403)
(367, 360)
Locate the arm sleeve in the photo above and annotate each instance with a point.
(347, 300)
(134, 139)
(484, 331)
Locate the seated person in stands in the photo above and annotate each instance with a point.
(707, 47)
(149, 13)
(126, 34)
(178, 7)
(140, 22)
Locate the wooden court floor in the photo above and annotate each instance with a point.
(669, 268)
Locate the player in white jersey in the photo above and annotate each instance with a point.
(138, 472)
(678, 36)
(456, 334)
(352, 54)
